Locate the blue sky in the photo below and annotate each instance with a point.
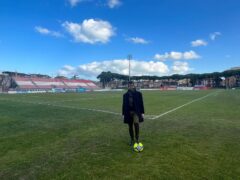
(85, 37)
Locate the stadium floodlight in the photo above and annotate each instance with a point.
(129, 67)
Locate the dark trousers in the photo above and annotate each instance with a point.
(134, 122)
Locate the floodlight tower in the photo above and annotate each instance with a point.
(129, 66)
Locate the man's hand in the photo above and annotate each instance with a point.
(142, 115)
(122, 117)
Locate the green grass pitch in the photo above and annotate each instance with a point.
(65, 136)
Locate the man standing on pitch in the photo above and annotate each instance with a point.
(133, 110)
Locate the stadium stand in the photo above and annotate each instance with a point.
(79, 83)
(24, 83)
(45, 83)
(49, 84)
(92, 85)
(75, 83)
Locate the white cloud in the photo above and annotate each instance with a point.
(113, 3)
(214, 35)
(46, 31)
(138, 40)
(160, 57)
(180, 67)
(93, 69)
(110, 3)
(74, 2)
(190, 55)
(67, 70)
(198, 42)
(90, 31)
(177, 55)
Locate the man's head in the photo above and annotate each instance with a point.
(131, 85)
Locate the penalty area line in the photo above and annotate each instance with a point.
(174, 109)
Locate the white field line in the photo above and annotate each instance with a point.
(109, 112)
(72, 107)
(174, 109)
(61, 106)
(86, 98)
(73, 100)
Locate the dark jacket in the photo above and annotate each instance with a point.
(138, 104)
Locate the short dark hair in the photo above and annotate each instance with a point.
(130, 82)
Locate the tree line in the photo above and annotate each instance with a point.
(217, 77)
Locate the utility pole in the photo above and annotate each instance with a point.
(129, 67)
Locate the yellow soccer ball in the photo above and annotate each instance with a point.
(138, 147)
